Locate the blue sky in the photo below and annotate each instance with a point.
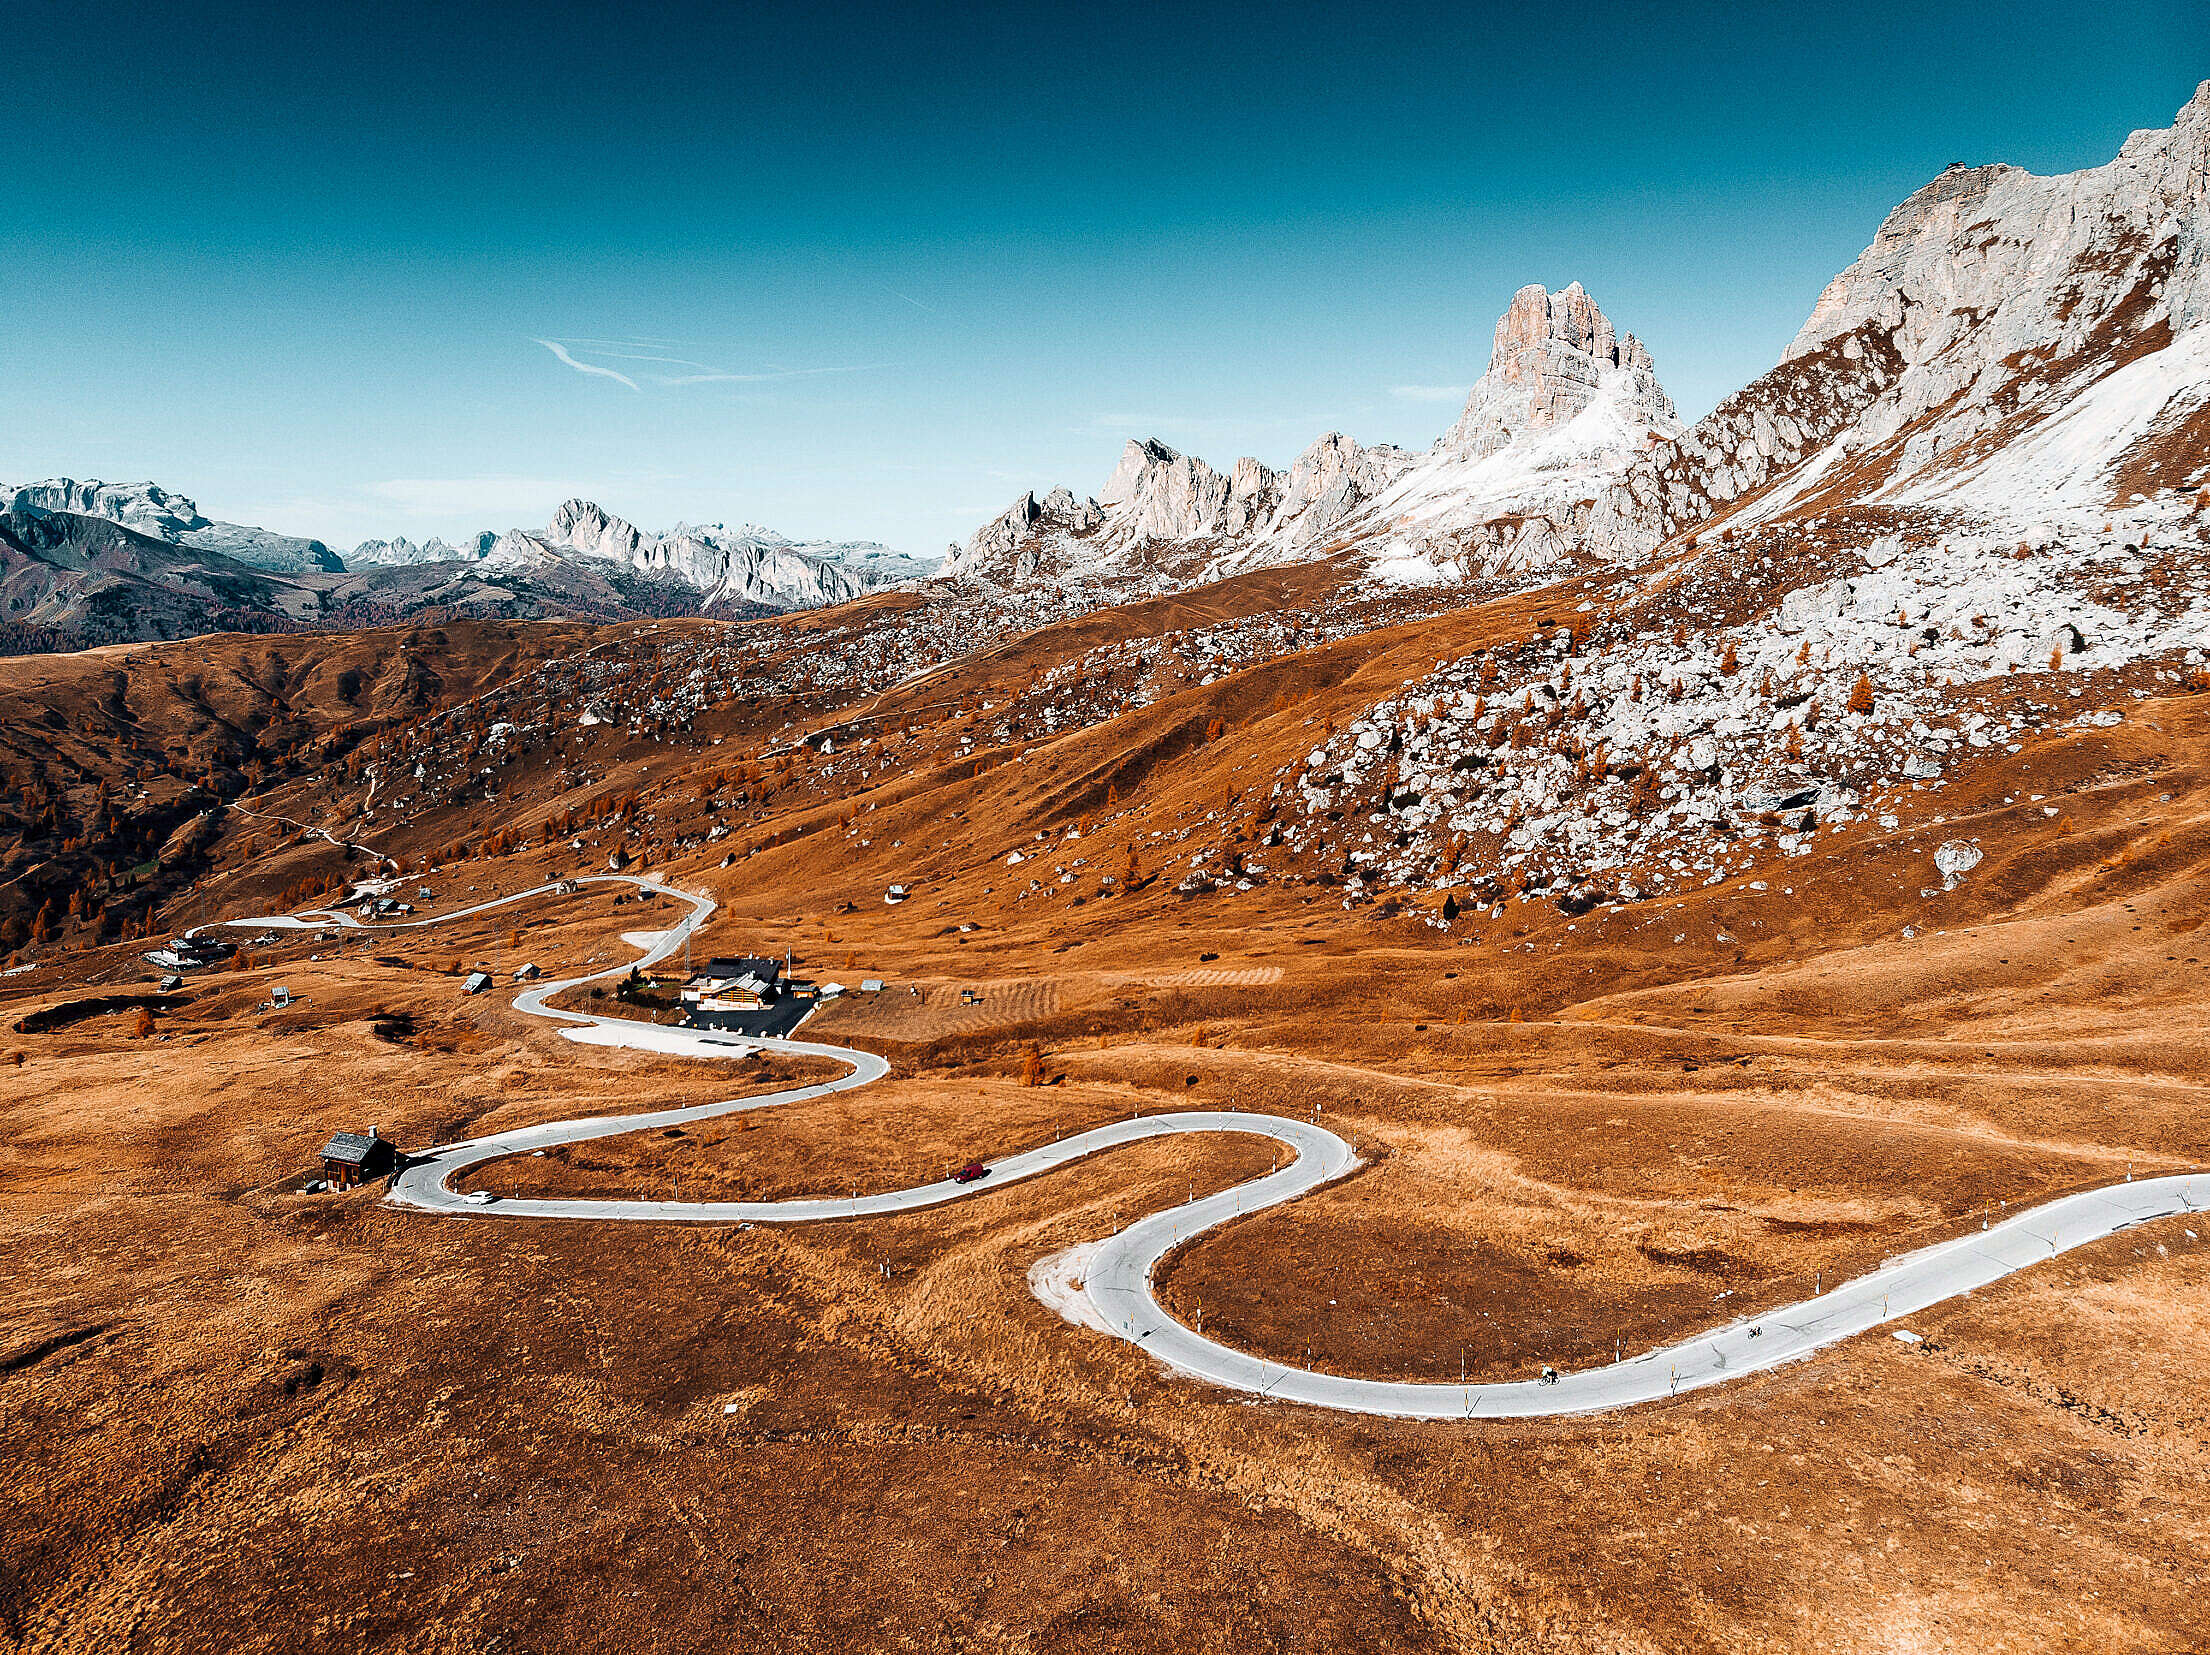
(869, 272)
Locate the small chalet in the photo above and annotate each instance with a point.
(350, 1157)
(476, 982)
(746, 982)
(748, 993)
(189, 953)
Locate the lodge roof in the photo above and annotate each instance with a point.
(350, 1148)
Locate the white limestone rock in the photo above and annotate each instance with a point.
(400, 550)
(1554, 356)
(747, 567)
(149, 509)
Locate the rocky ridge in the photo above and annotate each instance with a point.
(399, 550)
(2011, 352)
(1169, 518)
(1564, 406)
(83, 564)
(744, 569)
(150, 510)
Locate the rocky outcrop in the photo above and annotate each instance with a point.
(1157, 494)
(1167, 518)
(2019, 307)
(1565, 410)
(2027, 263)
(741, 569)
(1015, 544)
(399, 550)
(1565, 406)
(2006, 351)
(1329, 481)
(1554, 357)
(150, 510)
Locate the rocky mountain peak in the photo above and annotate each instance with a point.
(585, 526)
(1168, 515)
(1555, 355)
(149, 509)
(2012, 347)
(1536, 316)
(2033, 262)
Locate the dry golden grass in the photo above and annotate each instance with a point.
(238, 1415)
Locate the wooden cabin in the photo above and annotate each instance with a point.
(350, 1157)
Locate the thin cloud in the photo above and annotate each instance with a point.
(561, 351)
(640, 356)
(714, 375)
(657, 350)
(1429, 393)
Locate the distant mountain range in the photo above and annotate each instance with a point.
(85, 563)
(2013, 355)
(152, 511)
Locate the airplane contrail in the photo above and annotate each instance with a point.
(588, 367)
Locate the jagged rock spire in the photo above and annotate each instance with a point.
(1555, 354)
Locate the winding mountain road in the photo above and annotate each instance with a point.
(1118, 1271)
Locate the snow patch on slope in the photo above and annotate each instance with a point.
(2066, 461)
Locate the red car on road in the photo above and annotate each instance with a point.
(970, 1172)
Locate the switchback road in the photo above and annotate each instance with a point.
(1118, 1271)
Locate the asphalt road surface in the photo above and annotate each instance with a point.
(1119, 1273)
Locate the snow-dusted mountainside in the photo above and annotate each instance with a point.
(400, 551)
(1565, 406)
(2051, 337)
(93, 563)
(745, 568)
(2011, 353)
(150, 510)
(1969, 508)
